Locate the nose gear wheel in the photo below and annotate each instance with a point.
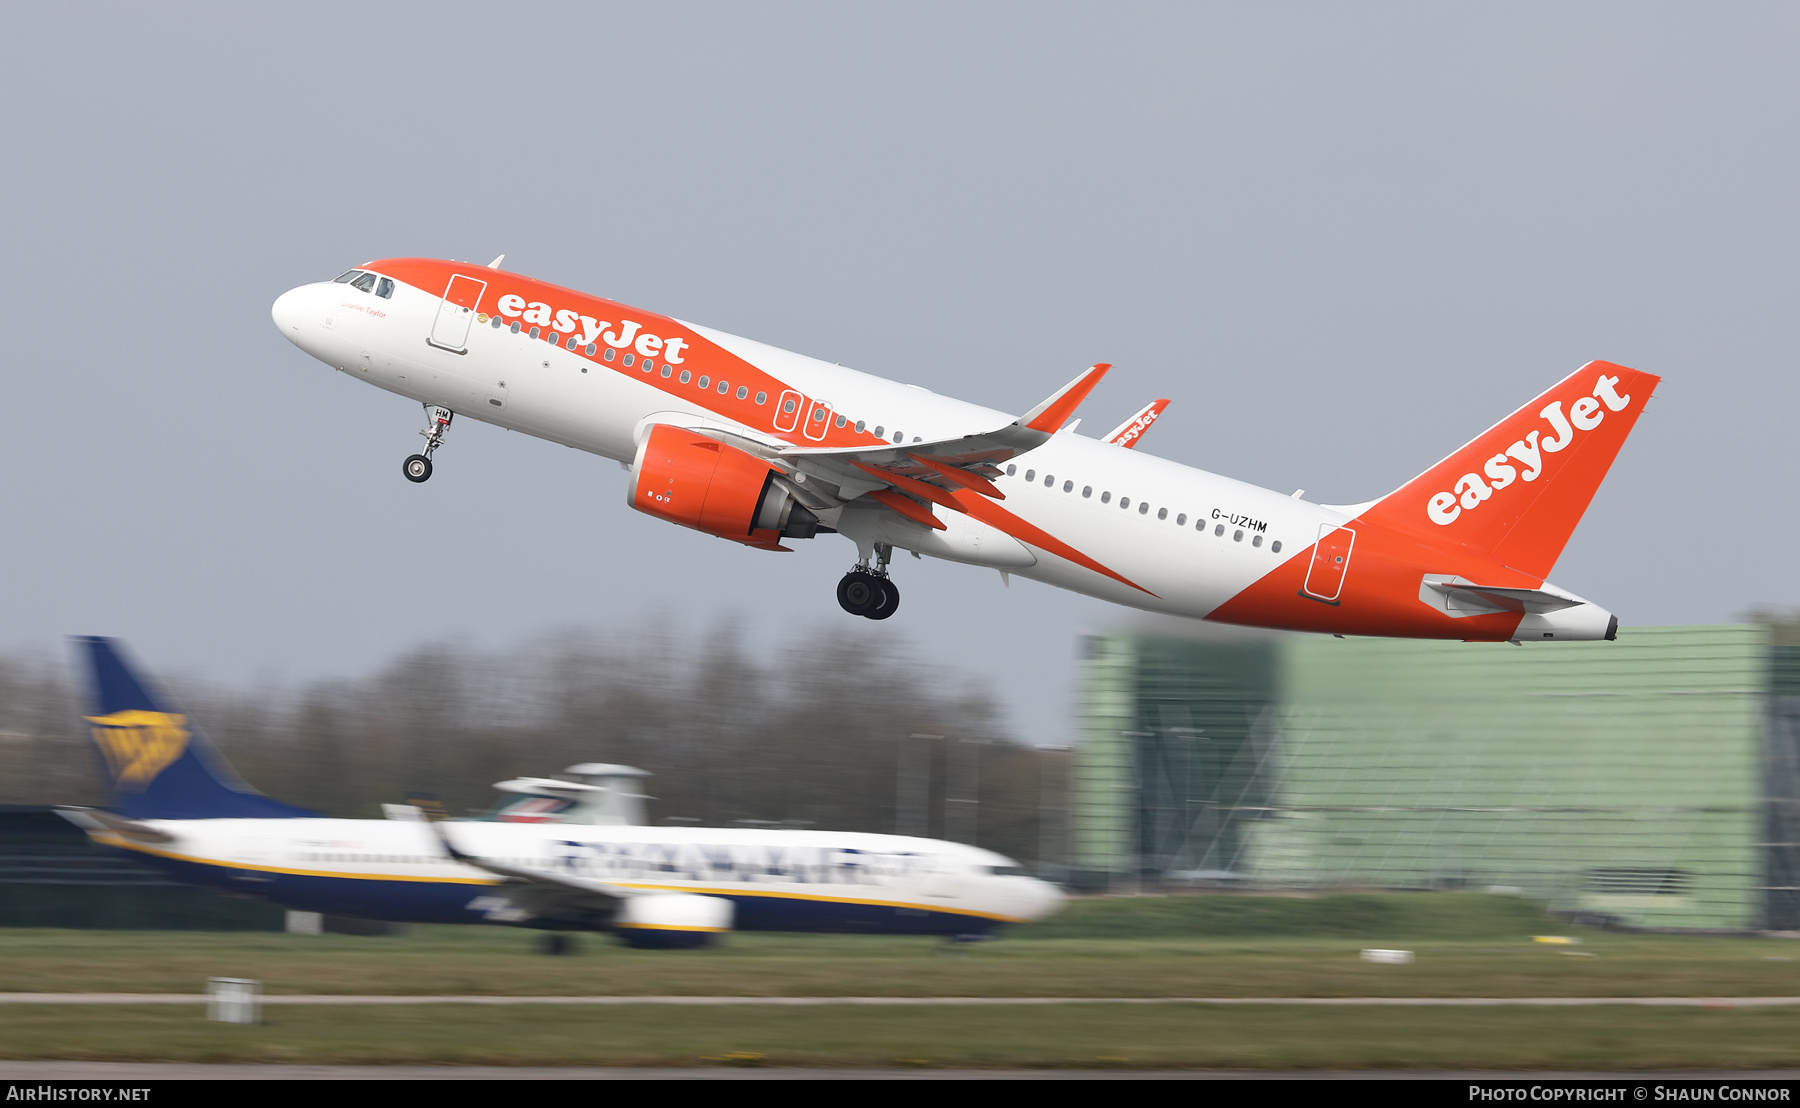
(417, 467)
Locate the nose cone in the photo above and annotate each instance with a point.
(1038, 899)
(289, 313)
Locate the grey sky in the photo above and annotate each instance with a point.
(1343, 238)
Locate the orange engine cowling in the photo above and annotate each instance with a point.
(687, 478)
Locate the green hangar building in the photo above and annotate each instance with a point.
(1651, 782)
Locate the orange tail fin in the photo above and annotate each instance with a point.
(1519, 489)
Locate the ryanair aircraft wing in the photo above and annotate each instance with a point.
(541, 895)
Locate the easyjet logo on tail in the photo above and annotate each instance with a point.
(568, 322)
(1524, 460)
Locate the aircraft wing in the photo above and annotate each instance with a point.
(909, 477)
(541, 895)
(1131, 432)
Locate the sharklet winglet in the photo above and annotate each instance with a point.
(1049, 415)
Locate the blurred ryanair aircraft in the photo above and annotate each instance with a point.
(177, 806)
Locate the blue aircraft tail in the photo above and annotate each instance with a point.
(158, 765)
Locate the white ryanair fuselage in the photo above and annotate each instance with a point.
(1079, 513)
(776, 879)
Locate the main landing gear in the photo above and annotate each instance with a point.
(868, 592)
(418, 466)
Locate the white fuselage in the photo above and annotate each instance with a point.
(1187, 538)
(778, 879)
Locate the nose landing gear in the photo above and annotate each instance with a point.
(418, 466)
(869, 592)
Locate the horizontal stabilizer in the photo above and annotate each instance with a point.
(96, 820)
(1459, 597)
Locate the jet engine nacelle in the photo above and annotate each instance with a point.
(672, 920)
(702, 483)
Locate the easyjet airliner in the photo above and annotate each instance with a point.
(761, 446)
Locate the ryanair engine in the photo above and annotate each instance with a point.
(669, 921)
(698, 482)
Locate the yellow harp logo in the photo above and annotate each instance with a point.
(139, 745)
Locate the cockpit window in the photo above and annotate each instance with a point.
(366, 282)
(1007, 871)
(385, 290)
(348, 277)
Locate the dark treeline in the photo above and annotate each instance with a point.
(820, 737)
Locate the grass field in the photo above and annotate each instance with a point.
(1084, 1037)
(1185, 946)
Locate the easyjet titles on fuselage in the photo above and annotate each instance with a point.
(587, 329)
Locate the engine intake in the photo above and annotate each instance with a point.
(673, 920)
(697, 482)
